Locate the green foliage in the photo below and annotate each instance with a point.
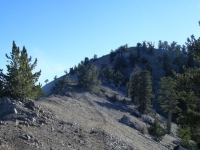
(88, 76)
(2, 83)
(168, 98)
(187, 88)
(185, 136)
(122, 49)
(107, 73)
(144, 46)
(114, 97)
(128, 88)
(103, 89)
(46, 81)
(190, 61)
(143, 131)
(19, 82)
(117, 78)
(139, 45)
(129, 83)
(156, 129)
(61, 85)
(72, 71)
(166, 65)
(112, 56)
(132, 59)
(160, 45)
(141, 90)
(151, 47)
(86, 61)
(172, 47)
(95, 57)
(194, 47)
(188, 91)
(120, 63)
(111, 75)
(65, 71)
(55, 77)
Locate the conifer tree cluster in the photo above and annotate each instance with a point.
(168, 98)
(19, 81)
(183, 91)
(140, 89)
(112, 76)
(87, 75)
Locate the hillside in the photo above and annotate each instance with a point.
(69, 117)
(76, 120)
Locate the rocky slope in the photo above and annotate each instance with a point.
(76, 120)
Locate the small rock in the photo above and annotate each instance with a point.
(5, 101)
(33, 119)
(35, 114)
(16, 122)
(30, 105)
(41, 111)
(26, 137)
(2, 123)
(14, 111)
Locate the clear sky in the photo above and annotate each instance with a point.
(62, 33)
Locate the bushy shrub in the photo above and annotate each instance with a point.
(157, 130)
(143, 131)
(114, 97)
(103, 89)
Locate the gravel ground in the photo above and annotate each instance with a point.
(80, 120)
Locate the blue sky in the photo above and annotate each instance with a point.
(62, 33)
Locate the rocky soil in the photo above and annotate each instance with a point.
(76, 120)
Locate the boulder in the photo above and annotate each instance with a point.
(31, 105)
(7, 107)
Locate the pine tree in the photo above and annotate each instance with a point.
(166, 65)
(190, 61)
(88, 76)
(107, 73)
(117, 78)
(132, 59)
(19, 80)
(120, 63)
(135, 88)
(112, 56)
(144, 46)
(160, 45)
(55, 77)
(71, 71)
(156, 129)
(46, 81)
(2, 83)
(145, 92)
(194, 47)
(151, 47)
(131, 84)
(141, 90)
(168, 98)
(139, 45)
(188, 91)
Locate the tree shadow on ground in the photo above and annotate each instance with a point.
(110, 105)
